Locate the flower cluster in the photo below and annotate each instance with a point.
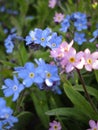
(45, 76)
(79, 21)
(7, 120)
(46, 38)
(69, 59)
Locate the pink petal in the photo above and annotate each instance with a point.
(92, 123)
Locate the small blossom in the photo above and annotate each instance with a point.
(42, 36)
(91, 60)
(12, 87)
(52, 3)
(95, 35)
(55, 125)
(93, 125)
(58, 17)
(79, 38)
(80, 25)
(7, 120)
(65, 24)
(9, 44)
(31, 37)
(29, 74)
(54, 41)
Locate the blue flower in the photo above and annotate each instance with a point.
(95, 35)
(30, 38)
(29, 74)
(78, 16)
(51, 74)
(9, 44)
(54, 41)
(42, 36)
(65, 24)
(55, 87)
(12, 87)
(7, 120)
(48, 72)
(80, 24)
(79, 38)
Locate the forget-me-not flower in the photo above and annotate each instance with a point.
(48, 72)
(79, 38)
(80, 24)
(7, 120)
(29, 74)
(12, 87)
(31, 37)
(65, 24)
(95, 35)
(42, 36)
(54, 41)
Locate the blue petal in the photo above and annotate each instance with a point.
(28, 82)
(9, 82)
(29, 65)
(16, 95)
(8, 92)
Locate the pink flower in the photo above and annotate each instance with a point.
(52, 3)
(91, 60)
(61, 51)
(65, 47)
(74, 60)
(55, 125)
(58, 17)
(56, 53)
(93, 125)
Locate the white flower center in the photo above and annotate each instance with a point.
(15, 87)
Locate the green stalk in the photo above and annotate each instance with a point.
(86, 92)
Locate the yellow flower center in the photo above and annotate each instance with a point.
(95, 128)
(48, 75)
(89, 61)
(42, 39)
(55, 127)
(31, 75)
(72, 59)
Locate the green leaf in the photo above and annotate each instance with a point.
(42, 54)
(91, 91)
(40, 102)
(96, 74)
(80, 102)
(25, 118)
(67, 112)
(7, 63)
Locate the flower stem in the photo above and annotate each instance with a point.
(85, 90)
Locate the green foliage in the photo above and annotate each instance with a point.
(25, 120)
(72, 108)
(41, 105)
